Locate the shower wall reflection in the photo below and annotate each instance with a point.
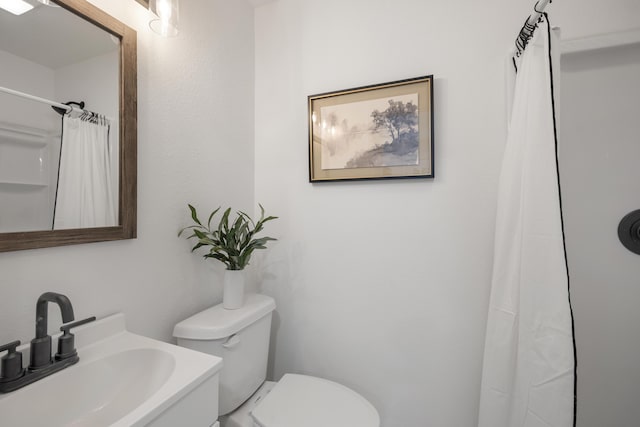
(50, 53)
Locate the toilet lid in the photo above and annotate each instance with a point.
(304, 401)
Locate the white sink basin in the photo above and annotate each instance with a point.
(122, 379)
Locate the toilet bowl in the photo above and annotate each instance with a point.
(241, 338)
(303, 401)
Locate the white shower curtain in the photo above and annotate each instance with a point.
(85, 195)
(529, 361)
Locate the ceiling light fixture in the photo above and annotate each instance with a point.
(17, 7)
(166, 23)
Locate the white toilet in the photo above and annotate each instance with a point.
(241, 338)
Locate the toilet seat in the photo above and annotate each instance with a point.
(305, 401)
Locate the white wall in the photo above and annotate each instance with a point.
(383, 285)
(195, 144)
(94, 81)
(599, 152)
(25, 76)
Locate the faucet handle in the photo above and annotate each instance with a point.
(11, 363)
(67, 326)
(11, 346)
(66, 345)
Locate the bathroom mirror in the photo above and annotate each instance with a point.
(66, 51)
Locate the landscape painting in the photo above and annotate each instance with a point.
(380, 131)
(376, 133)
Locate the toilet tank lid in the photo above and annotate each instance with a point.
(217, 322)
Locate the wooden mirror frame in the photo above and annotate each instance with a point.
(127, 195)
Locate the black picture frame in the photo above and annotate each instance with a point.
(372, 132)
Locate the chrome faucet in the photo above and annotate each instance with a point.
(13, 376)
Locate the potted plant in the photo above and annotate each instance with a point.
(232, 243)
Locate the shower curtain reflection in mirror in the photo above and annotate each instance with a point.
(86, 192)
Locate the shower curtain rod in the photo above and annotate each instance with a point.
(67, 108)
(530, 25)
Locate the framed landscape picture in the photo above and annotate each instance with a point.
(372, 132)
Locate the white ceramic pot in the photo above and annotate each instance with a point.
(233, 292)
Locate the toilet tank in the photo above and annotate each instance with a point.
(240, 337)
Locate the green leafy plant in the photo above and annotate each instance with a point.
(231, 243)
